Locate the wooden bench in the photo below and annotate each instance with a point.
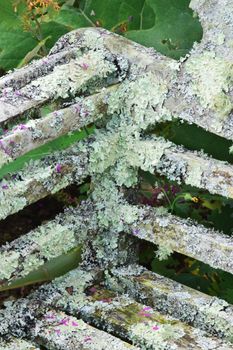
(110, 301)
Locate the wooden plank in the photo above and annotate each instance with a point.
(41, 245)
(170, 297)
(64, 81)
(120, 315)
(182, 102)
(45, 176)
(60, 331)
(184, 236)
(36, 132)
(37, 68)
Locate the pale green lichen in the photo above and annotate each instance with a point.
(212, 77)
(17, 344)
(151, 336)
(8, 263)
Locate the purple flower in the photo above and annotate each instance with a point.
(86, 339)
(155, 328)
(75, 324)
(57, 331)
(136, 231)
(84, 66)
(58, 168)
(64, 322)
(5, 187)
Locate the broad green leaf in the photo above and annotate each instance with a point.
(53, 268)
(174, 29)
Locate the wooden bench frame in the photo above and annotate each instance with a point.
(104, 75)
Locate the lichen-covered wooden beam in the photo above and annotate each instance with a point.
(156, 154)
(122, 316)
(79, 294)
(192, 167)
(170, 297)
(195, 94)
(60, 331)
(185, 236)
(76, 76)
(43, 177)
(204, 93)
(17, 344)
(20, 77)
(36, 132)
(39, 246)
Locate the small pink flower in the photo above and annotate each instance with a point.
(58, 168)
(147, 308)
(5, 187)
(155, 328)
(84, 66)
(86, 339)
(57, 331)
(64, 322)
(92, 290)
(74, 324)
(22, 127)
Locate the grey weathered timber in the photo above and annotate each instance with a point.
(37, 132)
(170, 297)
(120, 315)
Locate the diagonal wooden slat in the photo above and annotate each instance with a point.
(45, 176)
(34, 133)
(186, 237)
(65, 80)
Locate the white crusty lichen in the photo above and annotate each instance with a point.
(150, 335)
(212, 77)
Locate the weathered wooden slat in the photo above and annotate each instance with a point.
(120, 315)
(156, 154)
(170, 297)
(21, 77)
(59, 331)
(186, 237)
(128, 319)
(36, 132)
(64, 81)
(37, 247)
(183, 79)
(193, 168)
(17, 344)
(45, 176)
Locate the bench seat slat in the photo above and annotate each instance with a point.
(170, 297)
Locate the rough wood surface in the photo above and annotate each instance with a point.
(79, 293)
(184, 236)
(170, 297)
(65, 80)
(36, 132)
(197, 94)
(43, 177)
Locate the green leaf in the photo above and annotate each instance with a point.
(174, 29)
(53, 268)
